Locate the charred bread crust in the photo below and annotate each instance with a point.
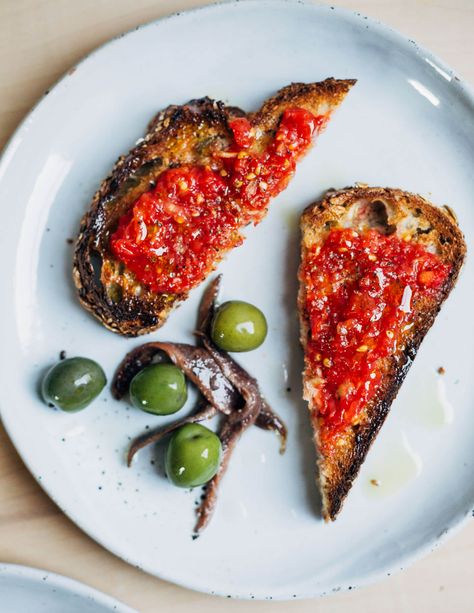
(436, 228)
(318, 98)
(172, 139)
(186, 134)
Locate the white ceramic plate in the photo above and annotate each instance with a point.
(408, 123)
(30, 590)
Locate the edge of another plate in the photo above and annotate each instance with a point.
(54, 580)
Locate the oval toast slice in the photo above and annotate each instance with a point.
(176, 184)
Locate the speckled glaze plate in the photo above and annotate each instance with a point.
(408, 123)
(30, 590)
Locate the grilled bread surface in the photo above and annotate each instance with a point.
(412, 218)
(189, 134)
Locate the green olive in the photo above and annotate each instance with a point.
(73, 384)
(193, 456)
(238, 326)
(159, 389)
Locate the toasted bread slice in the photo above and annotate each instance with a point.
(190, 135)
(360, 326)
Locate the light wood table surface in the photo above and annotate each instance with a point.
(40, 40)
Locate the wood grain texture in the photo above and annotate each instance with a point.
(39, 41)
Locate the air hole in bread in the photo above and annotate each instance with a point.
(377, 217)
(96, 263)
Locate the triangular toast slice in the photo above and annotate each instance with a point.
(177, 202)
(376, 265)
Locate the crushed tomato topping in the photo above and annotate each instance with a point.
(360, 291)
(174, 233)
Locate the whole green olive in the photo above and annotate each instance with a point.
(159, 389)
(193, 456)
(238, 326)
(73, 384)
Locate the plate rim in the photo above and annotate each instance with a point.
(40, 576)
(460, 86)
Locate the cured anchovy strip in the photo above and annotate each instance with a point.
(227, 388)
(195, 362)
(223, 395)
(266, 419)
(234, 426)
(240, 419)
(153, 436)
